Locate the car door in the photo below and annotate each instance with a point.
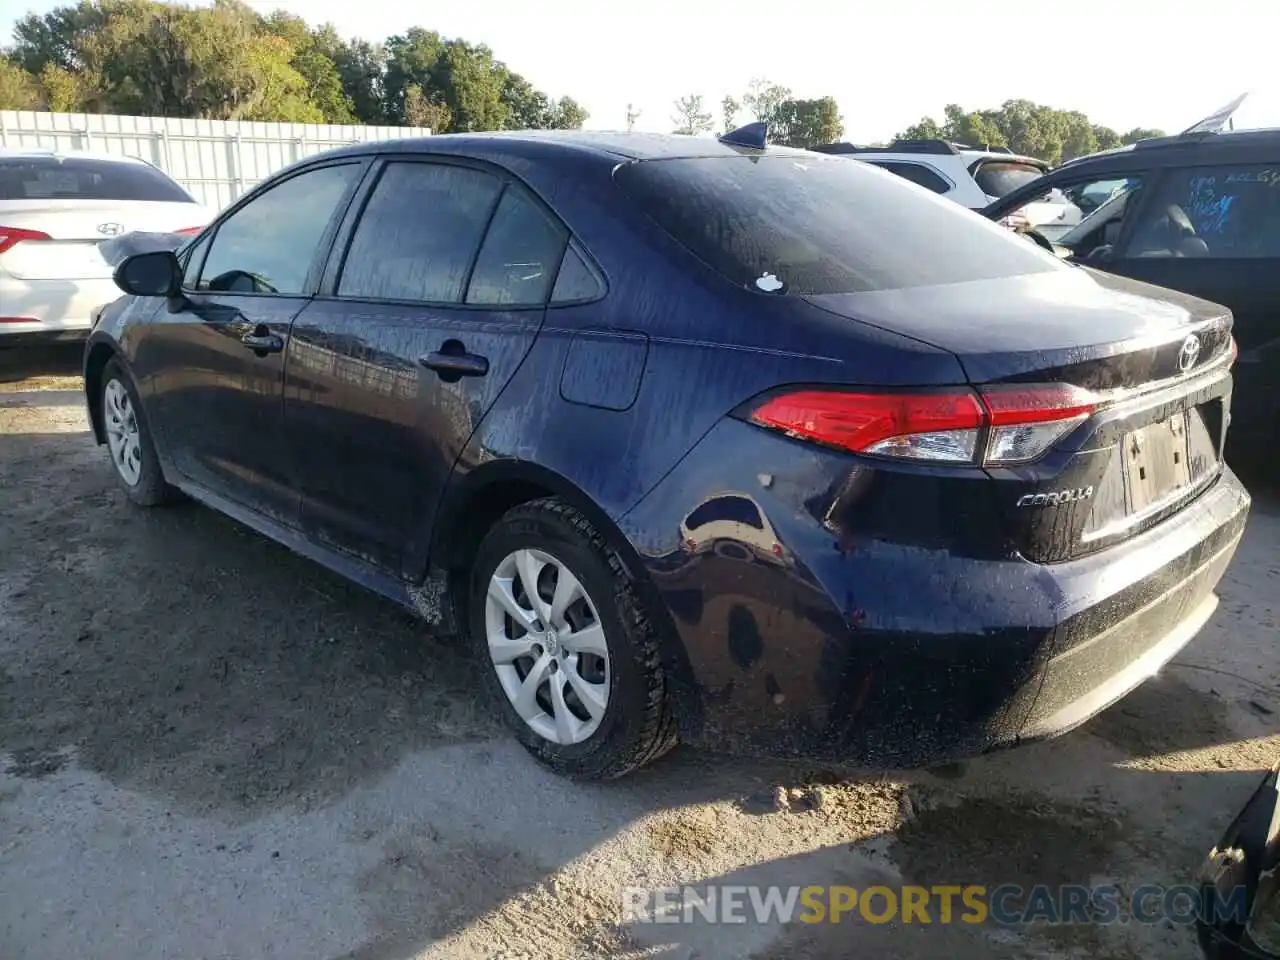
(422, 320)
(1214, 231)
(213, 363)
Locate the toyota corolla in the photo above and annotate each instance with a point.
(525, 384)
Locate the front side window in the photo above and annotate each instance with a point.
(816, 224)
(1222, 212)
(916, 173)
(419, 232)
(268, 245)
(1080, 216)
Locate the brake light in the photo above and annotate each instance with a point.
(189, 231)
(10, 237)
(1020, 422)
(1235, 352)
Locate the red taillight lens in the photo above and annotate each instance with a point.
(924, 426)
(1022, 422)
(189, 231)
(1235, 352)
(12, 236)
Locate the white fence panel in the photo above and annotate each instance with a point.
(217, 160)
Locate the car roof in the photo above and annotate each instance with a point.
(34, 153)
(1208, 142)
(615, 146)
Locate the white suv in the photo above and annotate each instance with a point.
(970, 176)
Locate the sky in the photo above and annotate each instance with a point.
(1124, 63)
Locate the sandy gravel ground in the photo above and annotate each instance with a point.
(211, 748)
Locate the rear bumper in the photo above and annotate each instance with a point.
(51, 309)
(854, 649)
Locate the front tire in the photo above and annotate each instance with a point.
(133, 454)
(570, 658)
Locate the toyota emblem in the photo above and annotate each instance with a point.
(110, 229)
(1189, 353)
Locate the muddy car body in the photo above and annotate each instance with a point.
(518, 418)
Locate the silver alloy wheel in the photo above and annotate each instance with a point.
(123, 438)
(547, 646)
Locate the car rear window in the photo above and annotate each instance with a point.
(39, 178)
(819, 225)
(997, 178)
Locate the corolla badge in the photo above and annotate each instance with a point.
(1055, 498)
(1189, 353)
(110, 229)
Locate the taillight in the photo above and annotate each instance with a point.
(1235, 352)
(1027, 421)
(189, 231)
(12, 236)
(1020, 422)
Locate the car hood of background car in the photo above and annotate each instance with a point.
(1005, 327)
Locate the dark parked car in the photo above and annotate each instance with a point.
(526, 383)
(1200, 213)
(1240, 882)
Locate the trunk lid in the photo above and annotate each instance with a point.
(1157, 361)
(77, 227)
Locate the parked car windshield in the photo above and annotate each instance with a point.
(818, 225)
(78, 178)
(999, 178)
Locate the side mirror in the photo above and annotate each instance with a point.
(154, 274)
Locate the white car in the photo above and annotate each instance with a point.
(55, 208)
(971, 176)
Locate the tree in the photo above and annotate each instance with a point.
(225, 60)
(729, 108)
(567, 114)
(690, 118)
(18, 89)
(764, 98)
(1026, 128)
(1141, 133)
(807, 123)
(422, 111)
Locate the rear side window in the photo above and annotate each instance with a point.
(577, 281)
(998, 178)
(520, 254)
(1226, 212)
(819, 225)
(916, 173)
(51, 178)
(419, 233)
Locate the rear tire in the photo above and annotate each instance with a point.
(133, 454)
(599, 706)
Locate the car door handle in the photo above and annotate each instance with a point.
(261, 341)
(452, 362)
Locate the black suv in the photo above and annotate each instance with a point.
(1198, 212)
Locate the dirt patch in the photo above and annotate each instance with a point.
(690, 837)
(1009, 840)
(1163, 715)
(34, 764)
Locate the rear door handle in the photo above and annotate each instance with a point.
(262, 341)
(452, 361)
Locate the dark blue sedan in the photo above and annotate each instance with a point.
(696, 440)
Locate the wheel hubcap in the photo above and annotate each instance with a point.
(123, 439)
(547, 646)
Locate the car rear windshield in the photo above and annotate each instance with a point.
(52, 178)
(1000, 177)
(802, 225)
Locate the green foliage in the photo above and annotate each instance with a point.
(227, 61)
(1026, 128)
(690, 118)
(807, 123)
(18, 89)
